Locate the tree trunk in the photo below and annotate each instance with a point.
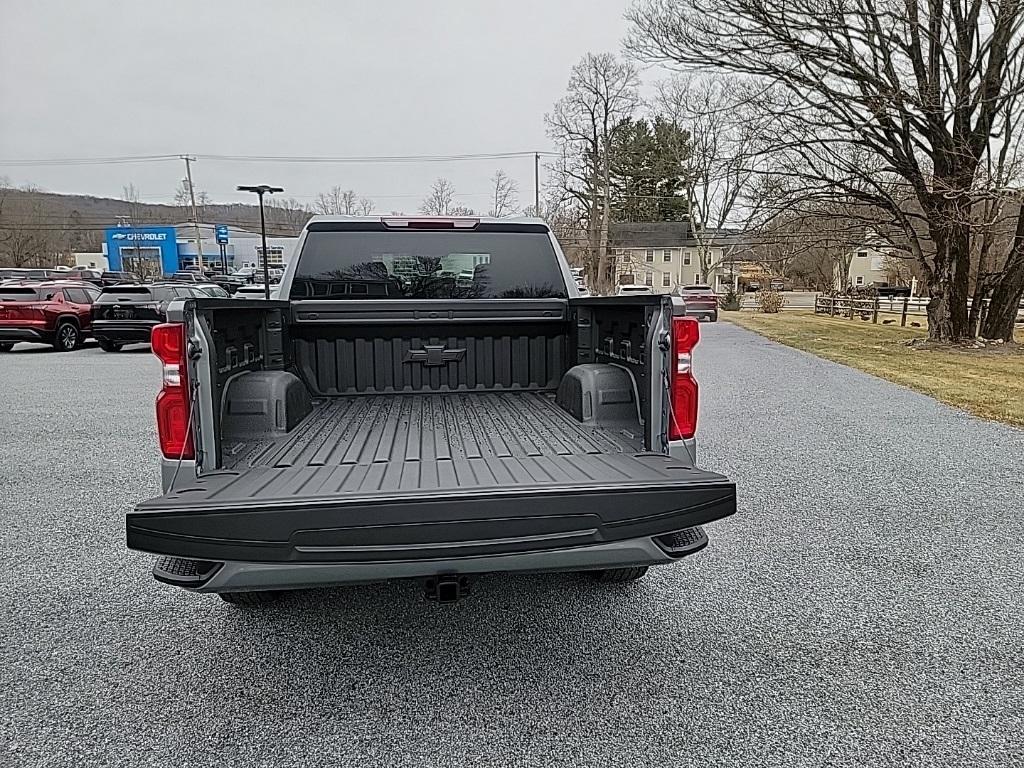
(605, 212)
(981, 281)
(1002, 313)
(947, 309)
(705, 263)
(977, 304)
(597, 277)
(593, 226)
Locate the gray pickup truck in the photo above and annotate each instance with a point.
(433, 400)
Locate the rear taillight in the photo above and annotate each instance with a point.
(173, 409)
(683, 406)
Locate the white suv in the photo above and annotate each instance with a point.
(634, 290)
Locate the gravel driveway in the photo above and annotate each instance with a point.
(864, 608)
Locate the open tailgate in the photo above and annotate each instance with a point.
(428, 509)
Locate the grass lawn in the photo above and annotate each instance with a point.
(986, 382)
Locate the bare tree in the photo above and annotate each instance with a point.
(286, 214)
(184, 201)
(5, 231)
(717, 130)
(1006, 295)
(340, 201)
(561, 213)
(779, 244)
(28, 236)
(602, 92)
(920, 89)
(1002, 231)
(349, 202)
(439, 201)
(337, 201)
(506, 194)
(135, 216)
(817, 242)
(575, 179)
(135, 212)
(329, 202)
(897, 270)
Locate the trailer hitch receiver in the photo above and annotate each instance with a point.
(447, 587)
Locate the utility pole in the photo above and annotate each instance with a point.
(536, 183)
(195, 213)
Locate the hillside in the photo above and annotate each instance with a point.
(43, 228)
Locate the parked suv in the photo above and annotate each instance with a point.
(634, 290)
(119, 278)
(246, 274)
(256, 291)
(19, 273)
(228, 282)
(57, 313)
(125, 314)
(187, 276)
(699, 301)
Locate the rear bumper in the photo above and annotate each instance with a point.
(700, 311)
(122, 332)
(277, 544)
(235, 576)
(22, 333)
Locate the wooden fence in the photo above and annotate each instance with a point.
(870, 309)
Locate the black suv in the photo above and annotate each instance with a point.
(125, 314)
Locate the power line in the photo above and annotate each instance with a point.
(276, 158)
(90, 160)
(370, 158)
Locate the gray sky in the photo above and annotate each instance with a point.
(239, 77)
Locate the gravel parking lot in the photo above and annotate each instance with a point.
(866, 607)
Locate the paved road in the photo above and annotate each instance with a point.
(865, 608)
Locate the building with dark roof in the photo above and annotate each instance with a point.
(666, 254)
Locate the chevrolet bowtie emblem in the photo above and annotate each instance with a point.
(434, 355)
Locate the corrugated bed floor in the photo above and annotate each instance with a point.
(394, 444)
(400, 428)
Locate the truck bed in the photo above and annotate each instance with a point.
(381, 444)
(403, 441)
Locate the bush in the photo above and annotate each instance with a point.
(732, 300)
(770, 301)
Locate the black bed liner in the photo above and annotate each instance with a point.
(429, 475)
(434, 429)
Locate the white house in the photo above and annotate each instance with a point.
(665, 254)
(872, 265)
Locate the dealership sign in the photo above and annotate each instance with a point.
(157, 236)
(150, 244)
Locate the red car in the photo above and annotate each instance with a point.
(57, 313)
(699, 301)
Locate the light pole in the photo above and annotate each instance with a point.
(261, 190)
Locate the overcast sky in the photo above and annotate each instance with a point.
(309, 77)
